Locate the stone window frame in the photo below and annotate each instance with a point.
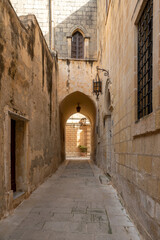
(149, 123)
(11, 114)
(86, 40)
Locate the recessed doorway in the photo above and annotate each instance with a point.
(18, 159)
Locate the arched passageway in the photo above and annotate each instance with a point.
(77, 136)
(68, 107)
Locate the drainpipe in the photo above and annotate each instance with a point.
(50, 25)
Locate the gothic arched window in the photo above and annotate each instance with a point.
(77, 45)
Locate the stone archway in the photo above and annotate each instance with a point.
(68, 107)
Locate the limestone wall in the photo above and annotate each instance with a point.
(59, 19)
(28, 95)
(75, 85)
(76, 75)
(134, 145)
(75, 136)
(40, 8)
(71, 141)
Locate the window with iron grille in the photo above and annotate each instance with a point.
(77, 45)
(145, 46)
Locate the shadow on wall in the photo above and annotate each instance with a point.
(63, 26)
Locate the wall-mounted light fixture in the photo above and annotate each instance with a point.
(97, 83)
(82, 122)
(78, 108)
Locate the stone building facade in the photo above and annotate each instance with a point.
(125, 141)
(75, 75)
(28, 108)
(60, 19)
(69, 16)
(135, 140)
(41, 9)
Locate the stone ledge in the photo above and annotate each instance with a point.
(18, 198)
(77, 60)
(149, 124)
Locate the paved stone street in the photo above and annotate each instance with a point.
(76, 203)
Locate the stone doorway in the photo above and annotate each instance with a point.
(108, 143)
(17, 156)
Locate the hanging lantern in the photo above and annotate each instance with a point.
(78, 108)
(97, 83)
(97, 86)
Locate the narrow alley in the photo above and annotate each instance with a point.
(77, 202)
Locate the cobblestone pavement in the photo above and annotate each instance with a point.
(76, 203)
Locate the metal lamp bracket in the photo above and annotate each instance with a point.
(106, 72)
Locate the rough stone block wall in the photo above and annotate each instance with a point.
(74, 138)
(83, 136)
(71, 14)
(58, 19)
(135, 150)
(88, 142)
(76, 82)
(76, 76)
(40, 8)
(28, 83)
(71, 141)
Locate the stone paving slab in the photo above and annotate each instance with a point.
(76, 203)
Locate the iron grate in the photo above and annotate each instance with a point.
(145, 48)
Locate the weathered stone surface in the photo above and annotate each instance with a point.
(126, 149)
(28, 79)
(56, 210)
(58, 20)
(134, 144)
(40, 8)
